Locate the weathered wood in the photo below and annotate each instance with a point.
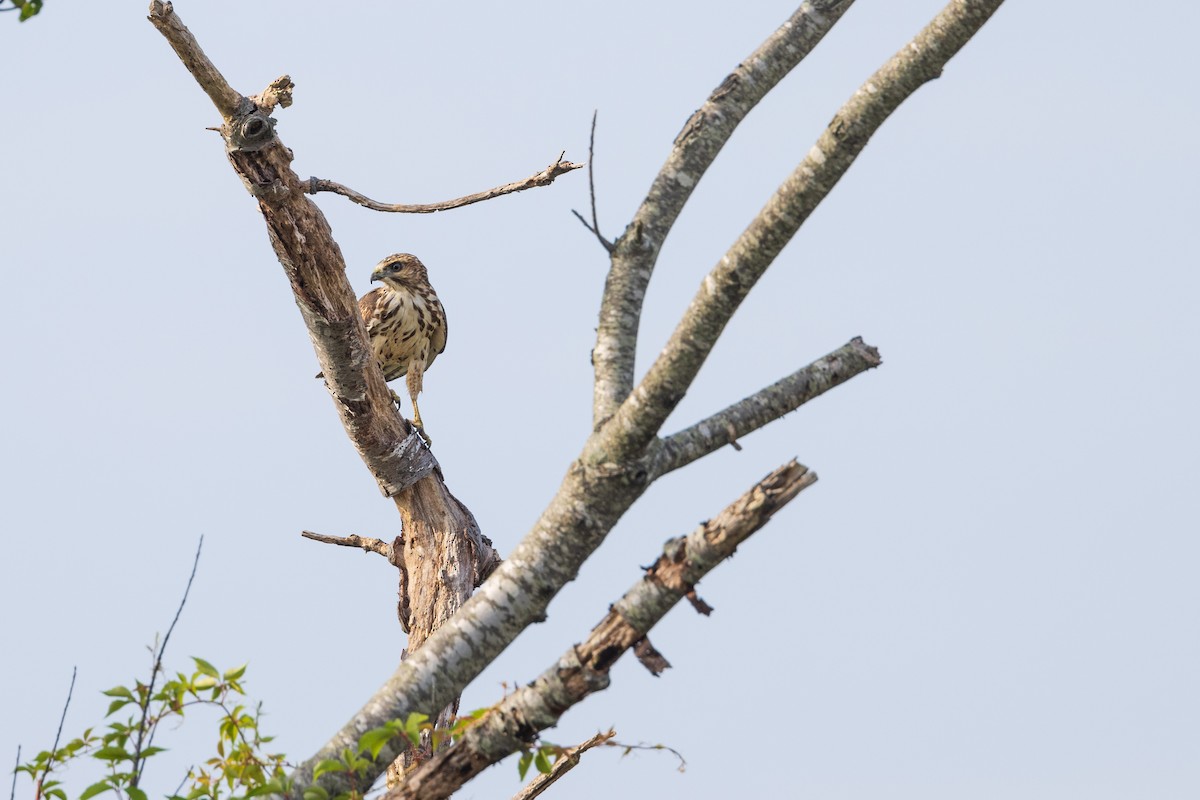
(584, 669)
(443, 555)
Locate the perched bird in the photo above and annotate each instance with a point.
(406, 323)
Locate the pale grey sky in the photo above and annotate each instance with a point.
(992, 592)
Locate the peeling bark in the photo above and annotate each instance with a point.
(444, 554)
(514, 723)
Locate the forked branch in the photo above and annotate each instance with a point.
(641, 415)
(584, 669)
(696, 147)
(594, 225)
(617, 463)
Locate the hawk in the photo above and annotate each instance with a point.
(406, 324)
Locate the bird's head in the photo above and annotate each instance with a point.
(402, 269)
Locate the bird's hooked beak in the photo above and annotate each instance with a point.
(378, 274)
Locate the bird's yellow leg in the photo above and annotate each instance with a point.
(416, 374)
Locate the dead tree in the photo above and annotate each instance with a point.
(441, 554)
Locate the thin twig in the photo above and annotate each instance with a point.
(54, 749)
(566, 762)
(595, 226)
(543, 178)
(138, 760)
(12, 794)
(186, 775)
(353, 540)
(631, 747)
(63, 718)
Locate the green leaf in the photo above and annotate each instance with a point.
(204, 682)
(150, 751)
(234, 674)
(412, 727)
(373, 740)
(205, 667)
(135, 793)
(316, 793)
(59, 793)
(119, 691)
(112, 753)
(524, 762)
(541, 762)
(328, 765)
(30, 8)
(94, 789)
(273, 786)
(117, 705)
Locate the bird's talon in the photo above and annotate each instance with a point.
(428, 439)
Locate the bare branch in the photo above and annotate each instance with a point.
(696, 146)
(315, 268)
(642, 414)
(353, 540)
(228, 101)
(63, 718)
(765, 406)
(405, 470)
(543, 178)
(277, 93)
(594, 227)
(12, 793)
(57, 736)
(565, 763)
(144, 706)
(584, 669)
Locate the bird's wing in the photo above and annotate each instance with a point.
(370, 307)
(438, 343)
